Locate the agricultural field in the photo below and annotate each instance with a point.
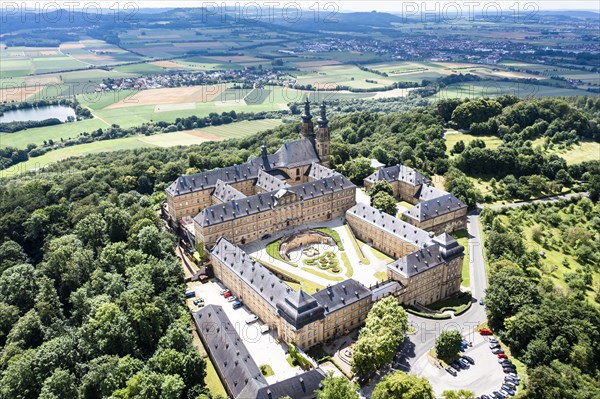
(55, 133)
(492, 88)
(189, 137)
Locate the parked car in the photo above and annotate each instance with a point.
(507, 391)
(467, 343)
(510, 384)
(232, 298)
(264, 328)
(203, 278)
(508, 370)
(514, 376)
(485, 397)
(502, 356)
(497, 395)
(493, 340)
(190, 293)
(494, 345)
(469, 359)
(451, 371)
(457, 365)
(223, 291)
(227, 294)
(237, 304)
(485, 331)
(497, 351)
(464, 363)
(481, 301)
(251, 319)
(514, 380)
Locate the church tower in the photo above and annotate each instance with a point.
(323, 139)
(307, 124)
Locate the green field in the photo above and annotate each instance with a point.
(452, 138)
(587, 150)
(57, 132)
(234, 130)
(492, 88)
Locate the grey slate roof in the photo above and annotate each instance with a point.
(434, 207)
(398, 172)
(340, 295)
(255, 275)
(295, 153)
(404, 231)
(449, 247)
(302, 386)
(208, 179)
(268, 182)
(442, 249)
(297, 307)
(318, 171)
(229, 353)
(418, 261)
(289, 155)
(261, 202)
(300, 309)
(224, 192)
(428, 192)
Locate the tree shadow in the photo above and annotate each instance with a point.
(406, 352)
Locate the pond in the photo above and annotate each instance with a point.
(60, 112)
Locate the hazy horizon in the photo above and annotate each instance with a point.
(347, 5)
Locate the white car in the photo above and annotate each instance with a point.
(232, 298)
(251, 319)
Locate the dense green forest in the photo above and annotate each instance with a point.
(539, 305)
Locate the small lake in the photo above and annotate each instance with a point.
(60, 112)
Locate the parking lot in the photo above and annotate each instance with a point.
(484, 377)
(262, 347)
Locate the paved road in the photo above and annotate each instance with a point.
(546, 199)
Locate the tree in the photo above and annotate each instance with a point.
(380, 186)
(457, 183)
(357, 169)
(9, 314)
(447, 344)
(384, 330)
(18, 286)
(108, 331)
(385, 203)
(337, 388)
(11, 254)
(61, 384)
(91, 230)
(460, 394)
(47, 303)
(458, 147)
(400, 385)
(508, 292)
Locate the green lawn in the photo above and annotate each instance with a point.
(349, 269)
(462, 236)
(380, 255)
(380, 276)
(354, 242)
(322, 275)
(306, 285)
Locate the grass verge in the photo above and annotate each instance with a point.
(354, 242)
(333, 234)
(349, 269)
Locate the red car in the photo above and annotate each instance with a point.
(502, 356)
(227, 294)
(485, 331)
